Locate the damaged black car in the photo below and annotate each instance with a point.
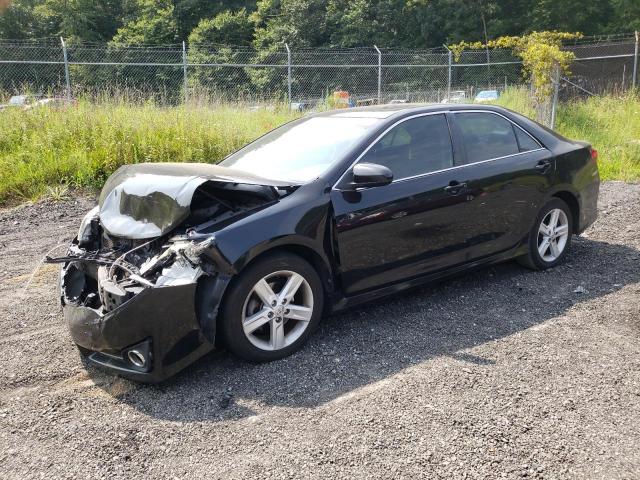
(323, 213)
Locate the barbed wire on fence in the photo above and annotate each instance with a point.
(301, 76)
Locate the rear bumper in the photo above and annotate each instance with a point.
(588, 205)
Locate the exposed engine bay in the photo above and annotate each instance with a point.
(103, 271)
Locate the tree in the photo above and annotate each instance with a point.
(226, 28)
(587, 16)
(84, 20)
(355, 23)
(625, 17)
(189, 13)
(19, 20)
(301, 23)
(154, 23)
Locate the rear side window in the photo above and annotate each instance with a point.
(525, 142)
(414, 147)
(486, 136)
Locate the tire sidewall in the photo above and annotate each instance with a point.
(533, 237)
(230, 325)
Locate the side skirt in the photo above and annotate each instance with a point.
(343, 302)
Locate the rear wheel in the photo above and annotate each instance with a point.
(550, 237)
(271, 308)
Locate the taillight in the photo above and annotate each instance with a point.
(594, 154)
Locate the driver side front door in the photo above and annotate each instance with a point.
(411, 226)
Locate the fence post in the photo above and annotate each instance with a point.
(554, 100)
(184, 72)
(66, 68)
(635, 63)
(379, 74)
(450, 55)
(288, 74)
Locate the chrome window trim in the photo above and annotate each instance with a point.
(454, 167)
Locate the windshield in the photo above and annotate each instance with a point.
(300, 151)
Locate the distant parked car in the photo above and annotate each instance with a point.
(53, 102)
(301, 106)
(366, 102)
(20, 101)
(398, 101)
(457, 96)
(487, 96)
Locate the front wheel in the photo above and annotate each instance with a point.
(550, 237)
(271, 308)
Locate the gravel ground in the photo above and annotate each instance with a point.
(499, 373)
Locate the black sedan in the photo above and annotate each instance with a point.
(323, 213)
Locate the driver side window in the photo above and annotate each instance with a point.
(414, 147)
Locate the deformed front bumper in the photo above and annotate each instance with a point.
(148, 336)
(160, 323)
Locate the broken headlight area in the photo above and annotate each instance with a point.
(106, 278)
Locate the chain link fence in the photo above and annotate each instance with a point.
(304, 78)
(610, 66)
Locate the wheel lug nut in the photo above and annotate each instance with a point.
(274, 303)
(286, 311)
(284, 301)
(270, 314)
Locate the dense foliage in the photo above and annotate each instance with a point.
(541, 55)
(310, 23)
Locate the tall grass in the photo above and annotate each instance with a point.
(610, 123)
(612, 126)
(81, 146)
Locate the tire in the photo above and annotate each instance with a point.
(279, 333)
(534, 259)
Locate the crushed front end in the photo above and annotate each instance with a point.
(142, 281)
(142, 309)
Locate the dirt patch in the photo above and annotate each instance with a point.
(503, 372)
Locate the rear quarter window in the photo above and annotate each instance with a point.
(525, 142)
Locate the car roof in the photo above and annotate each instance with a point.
(401, 109)
(388, 114)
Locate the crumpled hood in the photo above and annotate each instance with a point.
(147, 200)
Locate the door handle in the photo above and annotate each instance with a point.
(543, 166)
(455, 187)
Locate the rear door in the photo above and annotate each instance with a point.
(506, 173)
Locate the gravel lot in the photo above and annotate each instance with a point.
(499, 373)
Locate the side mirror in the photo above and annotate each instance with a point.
(370, 175)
